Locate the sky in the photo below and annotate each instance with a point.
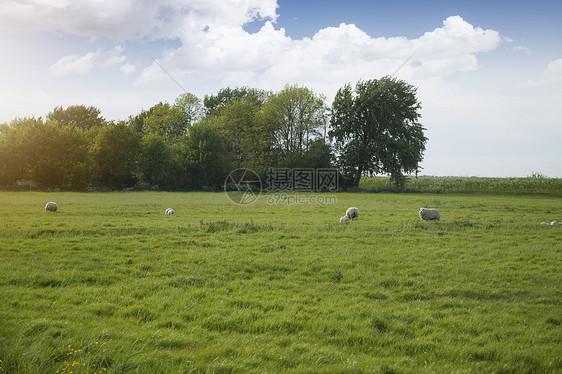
(488, 73)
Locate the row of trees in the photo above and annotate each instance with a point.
(194, 144)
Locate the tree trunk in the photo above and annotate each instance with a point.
(358, 176)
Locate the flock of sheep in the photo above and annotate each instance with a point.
(425, 214)
(350, 214)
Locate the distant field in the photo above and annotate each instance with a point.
(481, 185)
(108, 284)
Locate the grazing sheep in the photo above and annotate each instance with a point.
(351, 213)
(429, 214)
(553, 223)
(170, 212)
(51, 207)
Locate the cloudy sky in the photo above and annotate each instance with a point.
(489, 73)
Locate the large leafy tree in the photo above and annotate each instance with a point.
(214, 103)
(43, 152)
(189, 110)
(115, 154)
(16, 139)
(77, 116)
(375, 129)
(159, 164)
(206, 162)
(248, 138)
(296, 114)
(163, 120)
(169, 121)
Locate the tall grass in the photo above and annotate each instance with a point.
(427, 184)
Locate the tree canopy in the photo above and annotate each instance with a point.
(375, 129)
(192, 144)
(296, 114)
(223, 97)
(78, 116)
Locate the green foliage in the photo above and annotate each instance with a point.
(136, 122)
(205, 158)
(376, 129)
(175, 147)
(169, 121)
(47, 154)
(295, 114)
(164, 120)
(242, 128)
(189, 108)
(77, 116)
(115, 153)
(248, 139)
(108, 283)
(318, 155)
(159, 165)
(214, 103)
(16, 139)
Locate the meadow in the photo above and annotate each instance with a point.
(533, 185)
(109, 284)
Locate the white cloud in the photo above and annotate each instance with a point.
(76, 64)
(521, 49)
(452, 48)
(129, 19)
(127, 68)
(551, 76)
(213, 41)
(553, 70)
(332, 57)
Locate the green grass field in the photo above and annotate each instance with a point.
(536, 185)
(108, 284)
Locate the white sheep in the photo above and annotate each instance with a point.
(351, 213)
(170, 212)
(51, 207)
(429, 214)
(553, 223)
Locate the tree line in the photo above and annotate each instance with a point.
(194, 144)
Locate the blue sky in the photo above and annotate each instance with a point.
(489, 73)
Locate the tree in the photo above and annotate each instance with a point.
(376, 129)
(317, 156)
(43, 152)
(115, 153)
(189, 109)
(169, 121)
(296, 114)
(248, 138)
(136, 122)
(77, 116)
(60, 157)
(163, 120)
(213, 103)
(15, 142)
(204, 154)
(159, 164)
